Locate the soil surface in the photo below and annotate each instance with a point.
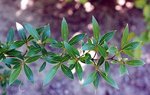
(40, 12)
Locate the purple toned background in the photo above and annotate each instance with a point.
(110, 17)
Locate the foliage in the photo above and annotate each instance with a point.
(79, 1)
(144, 5)
(39, 40)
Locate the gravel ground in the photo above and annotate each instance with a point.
(37, 14)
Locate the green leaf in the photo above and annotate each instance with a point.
(90, 79)
(140, 3)
(105, 45)
(96, 81)
(72, 66)
(21, 31)
(32, 31)
(33, 51)
(54, 59)
(135, 62)
(71, 50)
(131, 46)
(14, 75)
(82, 1)
(32, 59)
(28, 73)
(50, 75)
(79, 70)
(107, 67)
(42, 67)
(2, 56)
(64, 30)
(112, 50)
(109, 80)
(67, 71)
(102, 51)
(108, 36)
(10, 35)
(125, 34)
(100, 61)
(71, 61)
(65, 58)
(40, 30)
(15, 53)
(54, 43)
(123, 69)
(11, 61)
(96, 28)
(76, 39)
(46, 32)
(44, 51)
(146, 11)
(86, 59)
(88, 46)
(35, 44)
(138, 52)
(129, 53)
(131, 36)
(16, 66)
(16, 44)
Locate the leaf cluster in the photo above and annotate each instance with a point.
(69, 57)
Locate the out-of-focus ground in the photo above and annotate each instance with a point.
(110, 17)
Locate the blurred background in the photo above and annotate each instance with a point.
(111, 15)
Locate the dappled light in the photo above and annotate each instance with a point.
(129, 5)
(88, 7)
(121, 2)
(24, 4)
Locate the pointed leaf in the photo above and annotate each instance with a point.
(102, 51)
(10, 35)
(109, 80)
(107, 67)
(46, 32)
(88, 46)
(72, 66)
(96, 81)
(32, 59)
(108, 36)
(14, 75)
(96, 28)
(131, 46)
(50, 75)
(71, 50)
(64, 30)
(135, 62)
(42, 67)
(76, 39)
(11, 61)
(28, 73)
(17, 44)
(67, 71)
(100, 61)
(125, 34)
(123, 69)
(90, 79)
(79, 70)
(15, 53)
(21, 31)
(33, 50)
(32, 31)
